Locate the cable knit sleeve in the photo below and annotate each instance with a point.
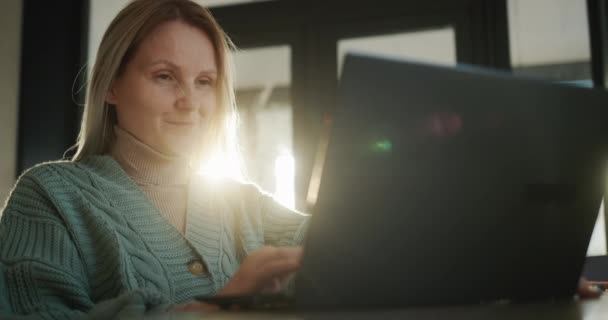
(42, 275)
(280, 226)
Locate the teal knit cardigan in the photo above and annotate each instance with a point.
(80, 240)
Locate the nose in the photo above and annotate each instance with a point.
(187, 99)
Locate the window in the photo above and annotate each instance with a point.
(263, 93)
(431, 46)
(550, 39)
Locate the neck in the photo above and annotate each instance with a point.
(146, 165)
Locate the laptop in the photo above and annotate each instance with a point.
(446, 186)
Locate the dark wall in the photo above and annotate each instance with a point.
(53, 50)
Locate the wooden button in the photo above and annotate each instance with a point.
(197, 267)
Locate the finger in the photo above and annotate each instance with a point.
(275, 286)
(586, 290)
(280, 267)
(276, 269)
(286, 253)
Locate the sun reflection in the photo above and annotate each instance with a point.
(284, 172)
(223, 166)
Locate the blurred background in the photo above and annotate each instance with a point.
(288, 65)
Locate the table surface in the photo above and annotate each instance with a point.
(595, 309)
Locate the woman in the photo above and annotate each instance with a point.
(128, 227)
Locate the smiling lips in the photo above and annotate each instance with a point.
(181, 123)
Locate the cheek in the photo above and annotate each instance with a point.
(208, 105)
(144, 98)
(158, 99)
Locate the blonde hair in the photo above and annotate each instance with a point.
(119, 44)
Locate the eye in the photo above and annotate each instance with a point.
(164, 77)
(204, 82)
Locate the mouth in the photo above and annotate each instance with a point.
(181, 123)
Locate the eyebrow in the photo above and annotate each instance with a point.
(174, 66)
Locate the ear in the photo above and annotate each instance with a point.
(111, 96)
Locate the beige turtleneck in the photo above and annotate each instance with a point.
(163, 178)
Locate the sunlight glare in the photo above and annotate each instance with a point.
(222, 166)
(284, 172)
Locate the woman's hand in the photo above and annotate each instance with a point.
(587, 291)
(264, 270)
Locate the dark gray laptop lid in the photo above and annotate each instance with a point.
(453, 185)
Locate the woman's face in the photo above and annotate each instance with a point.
(168, 89)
